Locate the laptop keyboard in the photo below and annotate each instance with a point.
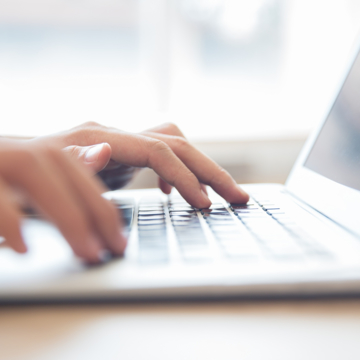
(240, 232)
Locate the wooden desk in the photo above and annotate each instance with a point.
(261, 330)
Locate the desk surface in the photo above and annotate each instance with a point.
(261, 330)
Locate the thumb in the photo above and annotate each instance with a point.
(94, 157)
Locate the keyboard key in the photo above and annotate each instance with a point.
(275, 212)
(249, 214)
(228, 237)
(151, 208)
(285, 221)
(218, 207)
(183, 224)
(184, 218)
(271, 207)
(257, 222)
(200, 254)
(265, 202)
(192, 241)
(152, 243)
(149, 218)
(153, 256)
(241, 206)
(285, 251)
(153, 231)
(249, 211)
(217, 214)
(221, 222)
(280, 216)
(244, 207)
(151, 213)
(219, 219)
(237, 238)
(197, 233)
(238, 252)
(190, 234)
(181, 208)
(225, 229)
(190, 238)
(213, 211)
(150, 222)
(183, 213)
(252, 215)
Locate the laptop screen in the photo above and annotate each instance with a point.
(336, 152)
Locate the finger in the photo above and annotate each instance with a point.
(102, 214)
(166, 129)
(169, 129)
(94, 157)
(204, 188)
(172, 170)
(205, 169)
(10, 219)
(164, 186)
(44, 184)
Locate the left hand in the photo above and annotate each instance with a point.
(163, 148)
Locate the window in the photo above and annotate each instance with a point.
(221, 69)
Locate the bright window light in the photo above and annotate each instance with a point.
(221, 69)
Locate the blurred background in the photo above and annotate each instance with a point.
(246, 80)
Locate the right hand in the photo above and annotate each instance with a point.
(60, 188)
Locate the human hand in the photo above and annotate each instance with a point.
(166, 151)
(61, 190)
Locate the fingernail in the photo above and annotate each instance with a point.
(92, 154)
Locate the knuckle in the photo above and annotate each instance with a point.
(91, 124)
(172, 127)
(72, 151)
(159, 146)
(88, 133)
(219, 177)
(180, 143)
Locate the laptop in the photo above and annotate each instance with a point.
(301, 239)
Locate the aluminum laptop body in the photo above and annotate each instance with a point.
(300, 239)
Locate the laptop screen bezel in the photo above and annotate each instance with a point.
(336, 201)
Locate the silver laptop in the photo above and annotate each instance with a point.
(300, 239)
